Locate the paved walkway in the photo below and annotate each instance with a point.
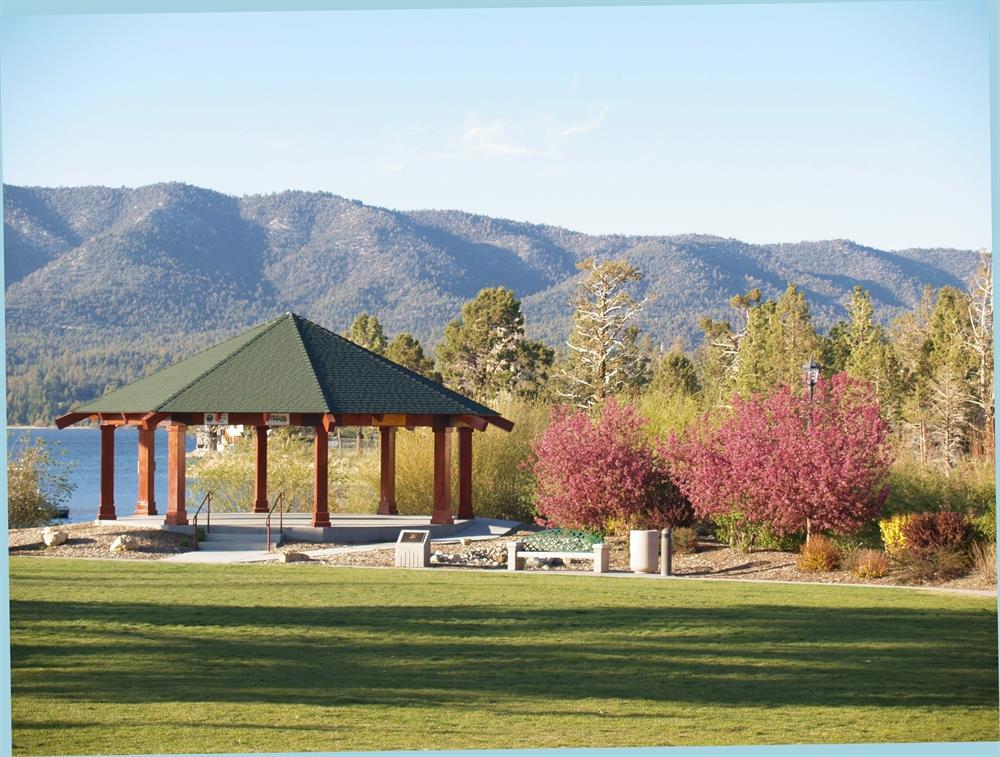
(474, 530)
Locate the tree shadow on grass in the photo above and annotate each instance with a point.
(455, 656)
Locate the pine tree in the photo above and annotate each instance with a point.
(485, 352)
(779, 339)
(604, 356)
(676, 375)
(870, 356)
(368, 332)
(406, 350)
(717, 359)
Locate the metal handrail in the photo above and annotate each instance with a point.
(208, 518)
(279, 502)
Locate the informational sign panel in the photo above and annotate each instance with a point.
(216, 419)
(277, 419)
(413, 549)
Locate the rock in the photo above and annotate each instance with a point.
(53, 537)
(123, 543)
(295, 557)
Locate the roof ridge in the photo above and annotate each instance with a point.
(225, 360)
(309, 359)
(449, 394)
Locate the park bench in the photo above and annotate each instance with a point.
(558, 544)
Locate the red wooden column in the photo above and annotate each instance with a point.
(442, 478)
(260, 469)
(176, 485)
(106, 511)
(321, 496)
(145, 503)
(387, 480)
(465, 474)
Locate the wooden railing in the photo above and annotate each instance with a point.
(207, 500)
(279, 503)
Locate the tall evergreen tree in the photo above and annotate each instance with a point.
(780, 338)
(406, 350)
(870, 356)
(676, 375)
(484, 351)
(367, 331)
(604, 357)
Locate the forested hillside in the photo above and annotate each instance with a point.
(105, 285)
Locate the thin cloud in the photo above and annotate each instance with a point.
(491, 138)
(584, 127)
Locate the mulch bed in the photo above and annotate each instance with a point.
(90, 541)
(712, 560)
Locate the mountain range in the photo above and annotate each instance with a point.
(160, 269)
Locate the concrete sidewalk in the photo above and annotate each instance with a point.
(474, 530)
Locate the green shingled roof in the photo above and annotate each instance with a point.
(288, 365)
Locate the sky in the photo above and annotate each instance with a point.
(767, 123)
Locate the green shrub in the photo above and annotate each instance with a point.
(37, 483)
(744, 536)
(819, 555)
(869, 563)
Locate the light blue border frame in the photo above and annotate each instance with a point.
(89, 7)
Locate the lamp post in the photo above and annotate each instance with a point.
(810, 373)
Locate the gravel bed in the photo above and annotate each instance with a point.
(712, 560)
(90, 541)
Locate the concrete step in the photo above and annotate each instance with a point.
(245, 534)
(231, 546)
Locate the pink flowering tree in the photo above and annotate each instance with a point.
(773, 461)
(596, 473)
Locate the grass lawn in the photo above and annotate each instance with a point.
(137, 657)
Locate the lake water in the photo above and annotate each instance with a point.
(83, 448)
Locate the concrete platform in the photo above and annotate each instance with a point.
(344, 529)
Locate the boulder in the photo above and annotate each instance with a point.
(294, 557)
(123, 543)
(53, 537)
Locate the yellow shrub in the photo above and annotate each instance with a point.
(892, 534)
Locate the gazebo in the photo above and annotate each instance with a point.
(287, 372)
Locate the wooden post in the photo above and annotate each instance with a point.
(387, 489)
(260, 469)
(465, 474)
(321, 505)
(145, 503)
(442, 478)
(176, 485)
(106, 511)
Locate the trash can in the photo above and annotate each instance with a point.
(643, 551)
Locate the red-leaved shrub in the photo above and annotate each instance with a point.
(592, 472)
(775, 462)
(927, 532)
